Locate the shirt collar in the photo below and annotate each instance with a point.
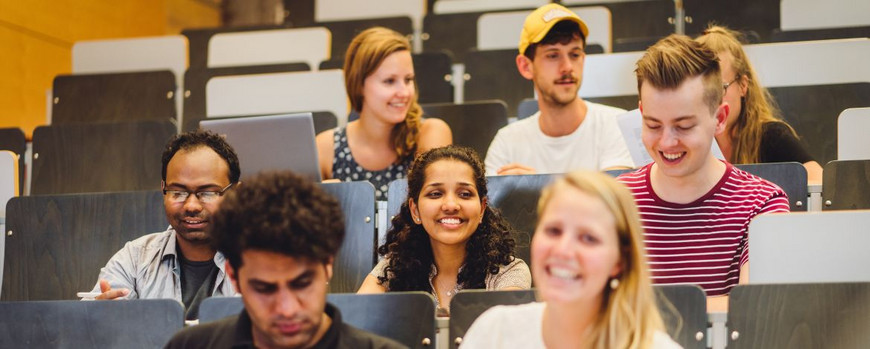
(170, 250)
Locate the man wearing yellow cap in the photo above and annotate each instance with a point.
(567, 133)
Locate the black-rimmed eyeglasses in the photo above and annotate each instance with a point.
(206, 196)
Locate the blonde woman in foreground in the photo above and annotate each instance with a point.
(588, 265)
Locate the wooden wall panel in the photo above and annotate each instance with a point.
(36, 38)
(28, 65)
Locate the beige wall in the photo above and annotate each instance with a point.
(36, 38)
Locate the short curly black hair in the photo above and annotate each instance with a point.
(201, 138)
(279, 212)
(407, 244)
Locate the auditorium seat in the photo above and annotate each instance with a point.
(167, 52)
(56, 244)
(683, 309)
(467, 305)
(276, 93)
(465, 6)
(434, 73)
(148, 323)
(265, 47)
(610, 79)
(474, 124)
(349, 10)
(812, 59)
(790, 176)
(643, 21)
(781, 243)
(407, 317)
(98, 157)
(357, 255)
(852, 140)
(114, 97)
(343, 31)
(13, 139)
(809, 14)
(198, 39)
(780, 35)
(527, 108)
(813, 110)
(493, 74)
(195, 80)
(8, 189)
(757, 16)
(799, 316)
(453, 32)
(846, 185)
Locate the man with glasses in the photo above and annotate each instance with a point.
(568, 133)
(280, 234)
(180, 263)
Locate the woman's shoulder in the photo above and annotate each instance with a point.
(662, 340)
(434, 133)
(776, 128)
(526, 309)
(515, 274)
(325, 138)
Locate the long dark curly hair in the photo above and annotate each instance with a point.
(408, 248)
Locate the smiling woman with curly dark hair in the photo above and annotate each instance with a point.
(445, 237)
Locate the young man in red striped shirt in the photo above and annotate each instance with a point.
(695, 208)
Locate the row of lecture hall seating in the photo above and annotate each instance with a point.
(830, 315)
(487, 74)
(47, 234)
(647, 20)
(124, 156)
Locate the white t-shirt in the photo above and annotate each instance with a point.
(520, 326)
(595, 145)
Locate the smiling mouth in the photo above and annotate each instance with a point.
(399, 105)
(450, 221)
(194, 223)
(672, 157)
(563, 273)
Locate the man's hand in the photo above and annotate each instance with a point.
(515, 169)
(109, 293)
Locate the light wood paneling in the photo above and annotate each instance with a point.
(28, 70)
(36, 38)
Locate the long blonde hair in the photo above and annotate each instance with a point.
(364, 55)
(758, 108)
(629, 315)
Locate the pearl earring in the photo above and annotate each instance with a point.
(614, 283)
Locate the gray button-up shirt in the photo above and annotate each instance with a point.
(149, 268)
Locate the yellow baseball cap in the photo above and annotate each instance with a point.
(540, 21)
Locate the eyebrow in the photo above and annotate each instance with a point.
(306, 274)
(681, 118)
(439, 184)
(171, 186)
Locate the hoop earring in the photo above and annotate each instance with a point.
(614, 283)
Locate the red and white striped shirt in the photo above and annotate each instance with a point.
(704, 242)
